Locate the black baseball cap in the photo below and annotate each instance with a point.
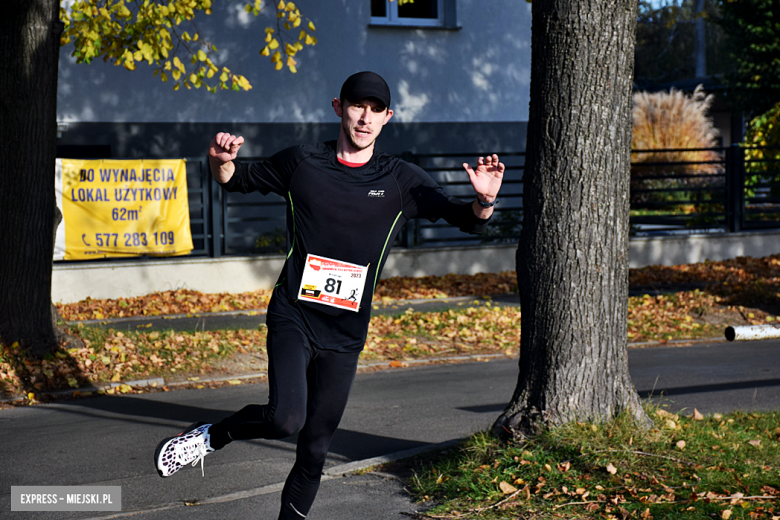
(365, 85)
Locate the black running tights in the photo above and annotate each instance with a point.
(308, 391)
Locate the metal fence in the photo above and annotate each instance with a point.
(702, 190)
(758, 183)
(713, 190)
(254, 224)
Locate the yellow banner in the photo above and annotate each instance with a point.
(120, 208)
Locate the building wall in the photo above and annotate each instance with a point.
(477, 74)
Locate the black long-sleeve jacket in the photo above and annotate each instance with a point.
(348, 214)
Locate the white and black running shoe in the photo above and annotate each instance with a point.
(189, 447)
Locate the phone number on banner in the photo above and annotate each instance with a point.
(157, 238)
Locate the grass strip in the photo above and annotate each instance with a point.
(722, 466)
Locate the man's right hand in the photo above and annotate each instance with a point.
(222, 151)
(224, 147)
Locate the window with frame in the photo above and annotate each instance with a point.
(419, 13)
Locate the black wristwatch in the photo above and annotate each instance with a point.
(487, 204)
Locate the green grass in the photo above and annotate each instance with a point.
(716, 467)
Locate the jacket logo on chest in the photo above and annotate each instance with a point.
(376, 193)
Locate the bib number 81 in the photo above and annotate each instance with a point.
(332, 285)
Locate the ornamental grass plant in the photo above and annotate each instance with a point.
(674, 120)
(677, 121)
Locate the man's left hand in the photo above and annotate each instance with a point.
(486, 179)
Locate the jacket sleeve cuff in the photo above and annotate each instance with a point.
(233, 183)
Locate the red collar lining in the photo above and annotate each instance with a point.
(350, 164)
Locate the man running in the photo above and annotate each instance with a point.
(345, 205)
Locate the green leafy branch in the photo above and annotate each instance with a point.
(288, 18)
(129, 32)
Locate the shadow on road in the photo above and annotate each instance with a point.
(350, 444)
(719, 387)
(662, 392)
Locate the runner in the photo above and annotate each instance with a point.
(345, 205)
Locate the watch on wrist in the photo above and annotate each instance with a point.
(487, 204)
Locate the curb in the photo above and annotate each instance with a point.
(360, 465)
(678, 342)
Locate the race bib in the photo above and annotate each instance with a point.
(333, 282)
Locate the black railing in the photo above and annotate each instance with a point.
(760, 178)
(255, 224)
(447, 170)
(705, 190)
(715, 190)
(680, 190)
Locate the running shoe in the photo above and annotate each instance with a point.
(189, 447)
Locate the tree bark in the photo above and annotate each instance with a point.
(572, 259)
(29, 43)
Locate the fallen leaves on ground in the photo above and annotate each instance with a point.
(683, 315)
(751, 286)
(477, 327)
(114, 356)
(743, 291)
(738, 271)
(447, 286)
(742, 281)
(185, 301)
(474, 329)
(182, 301)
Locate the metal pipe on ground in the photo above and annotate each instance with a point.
(752, 332)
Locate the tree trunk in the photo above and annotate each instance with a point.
(572, 260)
(700, 49)
(29, 43)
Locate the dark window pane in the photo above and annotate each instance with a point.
(419, 9)
(379, 8)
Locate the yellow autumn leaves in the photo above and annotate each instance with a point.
(477, 328)
(116, 356)
(288, 17)
(127, 33)
(481, 329)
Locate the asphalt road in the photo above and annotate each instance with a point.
(110, 440)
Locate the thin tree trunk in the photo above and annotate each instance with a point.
(572, 260)
(29, 43)
(701, 40)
